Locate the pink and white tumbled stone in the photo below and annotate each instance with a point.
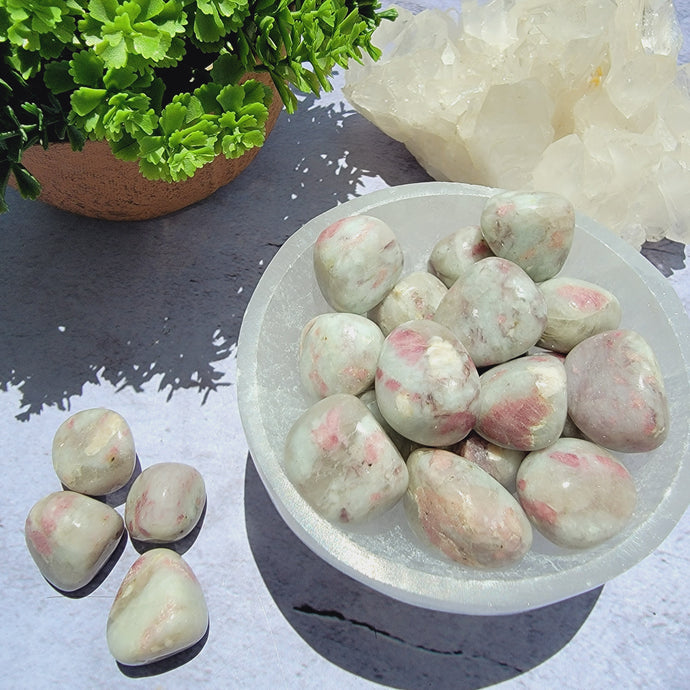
(342, 462)
(93, 452)
(427, 387)
(338, 354)
(575, 310)
(159, 610)
(165, 502)
(452, 255)
(576, 493)
(495, 309)
(357, 260)
(460, 509)
(523, 403)
(70, 537)
(616, 393)
(501, 463)
(414, 297)
(533, 229)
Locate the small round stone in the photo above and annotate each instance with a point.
(576, 493)
(533, 229)
(455, 253)
(413, 298)
(93, 452)
(495, 310)
(575, 310)
(523, 403)
(616, 392)
(501, 463)
(357, 260)
(159, 610)
(342, 462)
(338, 354)
(70, 537)
(427, 387)
(463, 511)
(165, 502)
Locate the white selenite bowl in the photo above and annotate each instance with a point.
(385, 554)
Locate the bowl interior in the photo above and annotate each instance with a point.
(385, 554)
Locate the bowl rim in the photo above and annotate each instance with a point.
(443, 593)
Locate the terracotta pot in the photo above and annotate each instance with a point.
(92, 182)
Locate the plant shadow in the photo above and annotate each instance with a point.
(161, 302)
(389, 642)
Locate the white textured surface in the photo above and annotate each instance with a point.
(142, 318)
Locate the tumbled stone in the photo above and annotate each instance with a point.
(414, 297)
(460, 509)
(575, 310)
(70, 537)
(523, 403)
(158, 611)
(453, 254)
(616, 393)
(93, 452)
(357, 260)
(426, 384)
(501, 463)
(576, 493)
(495, 309)
(342, 462)
(165, 502)
(338, 354)
(532, 229)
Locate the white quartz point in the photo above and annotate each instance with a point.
(70, 537)
(165, 502)
(158, 611)
(93, 452)
(342, 462)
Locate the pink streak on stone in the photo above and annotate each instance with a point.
(330, 231)
(539, 510)
(457, 420)
(40, 540)
(392, 385)
(408, 344)
(372, 448)
(612, 465)
(570, 459)
(521, 484)
(584, 298)
(327, 435)
(511, 421)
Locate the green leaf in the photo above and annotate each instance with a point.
(57, 77)
(27, 185)
(86, 68)
(227, 69)
(85, 100)
(119, 78)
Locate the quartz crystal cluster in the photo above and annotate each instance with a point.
(585, 99)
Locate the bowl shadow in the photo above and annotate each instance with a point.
(389, 642)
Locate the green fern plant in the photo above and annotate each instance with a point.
(163, 81)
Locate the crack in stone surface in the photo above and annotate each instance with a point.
(337, 615)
